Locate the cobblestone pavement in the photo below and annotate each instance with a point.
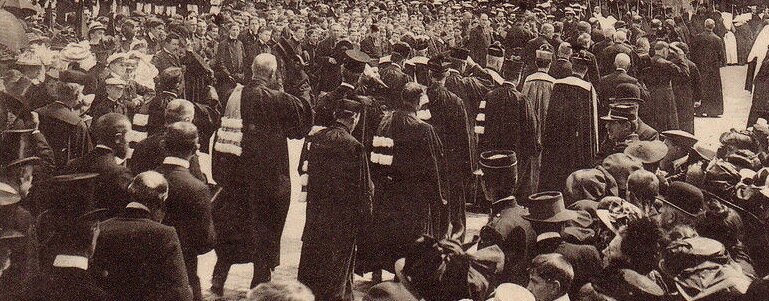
(736, 102)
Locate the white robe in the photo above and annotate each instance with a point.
(730, 41)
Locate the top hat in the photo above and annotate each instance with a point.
(72, 195)
(500, 173)
(548, 207)
(16, 148)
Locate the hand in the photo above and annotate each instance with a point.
(35, 120)
(332, 61)
(697, 104)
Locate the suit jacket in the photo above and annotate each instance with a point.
(149, 154)
(62, 284)
(112, 183)
(188, 209)
(164, 59)
(140, 258)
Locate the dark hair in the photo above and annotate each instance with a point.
(108, 126)
(554, 267)
(181, 139)
(412, 92)
(641, 243)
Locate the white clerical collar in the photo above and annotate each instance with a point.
(451, 70)
(118, 160)
(177, 161)
(136, 205)
(71, 261)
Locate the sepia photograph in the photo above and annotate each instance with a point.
(384, 150)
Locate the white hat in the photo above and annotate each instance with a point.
(512, 292)
(116, 56)
(114, 81)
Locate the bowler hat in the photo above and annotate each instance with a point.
(647, 152)
(548, 207)
(685, 197)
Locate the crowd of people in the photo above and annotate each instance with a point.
(571, 124)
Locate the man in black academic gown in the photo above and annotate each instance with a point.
(408, 173)
(334, 168)
(506, 120)
(570, 135)
(393, 76)
(707, 52)
(446, 112)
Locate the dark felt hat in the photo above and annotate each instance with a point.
(17, 148)
(686, 198)
(356, 60)
(548, 207)
(72, 195)
(73, 76)
(629, 285)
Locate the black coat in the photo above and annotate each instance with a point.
(515, 236)
(708, 53)
(607, 89)
(62, 284)
(188, 209)
(394, 77)
(112, 183)
(339, 196)
(65, 132)
(561, 68)
(141, 258)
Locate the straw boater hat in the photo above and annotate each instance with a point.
(75, 52)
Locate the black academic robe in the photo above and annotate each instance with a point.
(339, 195)
(570, 136)
(707, 51)
(507, 121)
(65, 131)
(446, 112)
(410, 190)
(561, 68)
(662, 101)
(261, 174)
(760, 106)
(686, 88)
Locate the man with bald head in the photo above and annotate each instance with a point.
(140, 257)
(607, 87)
(259, 179)
(707, 52)
(108, 160)
(148, 154)
(607, 55)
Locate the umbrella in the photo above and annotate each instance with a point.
(21, 8)
(13, 36)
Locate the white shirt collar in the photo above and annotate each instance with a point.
(71, 261)
(177, 161)
(548, 235)
(136, 205)
(118, 160)
(347, 85)
(563, 298)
